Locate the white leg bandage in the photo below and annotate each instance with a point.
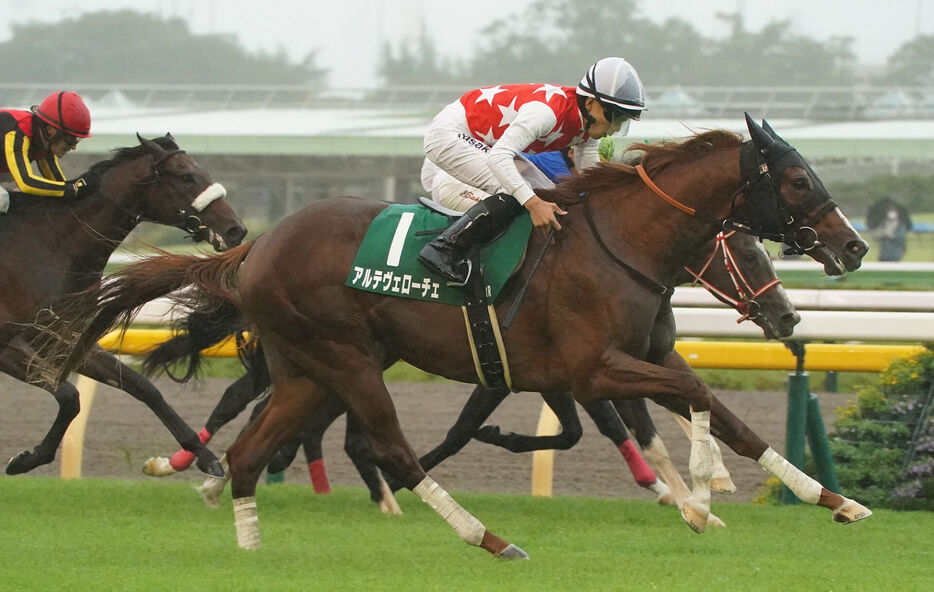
(701, 462)
(807, 489)
(247, 522)
(464, 524)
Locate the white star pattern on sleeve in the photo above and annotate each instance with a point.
(509, 113)
(552, 136)
(488, 137)
(550, 90)
(487, 94)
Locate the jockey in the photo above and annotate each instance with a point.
(478, 138)
(44, 134)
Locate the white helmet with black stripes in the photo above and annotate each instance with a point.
(615, 84)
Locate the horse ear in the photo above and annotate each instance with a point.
(762, 140)
(768, 129)
(155, 149)
(169, 137)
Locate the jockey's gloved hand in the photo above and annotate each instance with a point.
(83, 186)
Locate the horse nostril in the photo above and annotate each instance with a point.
(857, 248)
(791, 319)
(234, 235)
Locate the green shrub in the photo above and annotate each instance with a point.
(871, 440)
(873, 435)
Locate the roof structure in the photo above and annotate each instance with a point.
(381, 132)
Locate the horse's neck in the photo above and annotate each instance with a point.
(659, 239)
(85, 233)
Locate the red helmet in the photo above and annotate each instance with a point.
(66, 111)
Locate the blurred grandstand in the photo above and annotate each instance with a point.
(278, 147)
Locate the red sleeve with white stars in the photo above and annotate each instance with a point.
(522, 118)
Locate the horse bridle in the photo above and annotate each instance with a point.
(761, 191)
(745, 302)
(764, 193)
(189, 222)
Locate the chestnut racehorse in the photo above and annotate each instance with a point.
(594, 321)
(734, 267)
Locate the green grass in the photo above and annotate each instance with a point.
(106, 535)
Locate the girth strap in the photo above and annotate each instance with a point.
(486, 342)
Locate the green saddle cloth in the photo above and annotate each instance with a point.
(386, 262)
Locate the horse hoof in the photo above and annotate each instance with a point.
(722, 485)
(158, 466)
(713, 520)
(213, 469)
(388, 504)
(512, 552)
(850, 511)
(695, 517)
(23, 462)
(210, 491)
(663, 493)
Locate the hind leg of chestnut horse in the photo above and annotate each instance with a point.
(359, 383)
(480, 405)
(369, 401)
(357, 446)
(742, 440)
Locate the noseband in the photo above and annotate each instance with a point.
(745, 301)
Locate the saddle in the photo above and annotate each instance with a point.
(386, 264)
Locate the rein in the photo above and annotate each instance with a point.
(746, 303)
(657, 287)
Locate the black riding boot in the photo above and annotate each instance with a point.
(447, 254)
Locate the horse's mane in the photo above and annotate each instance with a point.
(656, 157)
(122, 155)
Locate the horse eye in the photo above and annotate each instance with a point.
(800, 183)
(188, 178)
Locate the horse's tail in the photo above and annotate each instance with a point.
(196, 331)
(79, 321)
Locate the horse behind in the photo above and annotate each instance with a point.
(590, 323)
(55, 247)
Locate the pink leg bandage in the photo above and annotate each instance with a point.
(182, 459)
(319, 476)
(643, 475)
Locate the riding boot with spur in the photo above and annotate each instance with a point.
(448, 254)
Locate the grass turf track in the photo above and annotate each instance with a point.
(102, 535)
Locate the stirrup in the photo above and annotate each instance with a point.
(455, 284)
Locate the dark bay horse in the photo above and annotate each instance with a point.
(595, 321)
(55, 247)
(734, 267)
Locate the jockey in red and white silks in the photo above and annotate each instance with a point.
(478, 138)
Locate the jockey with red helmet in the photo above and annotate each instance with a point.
(42, 135)
(478, 139)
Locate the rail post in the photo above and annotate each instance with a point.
(798, 391)
(820, 447)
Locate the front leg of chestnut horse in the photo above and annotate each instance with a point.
(621, 376)
(735, 434)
